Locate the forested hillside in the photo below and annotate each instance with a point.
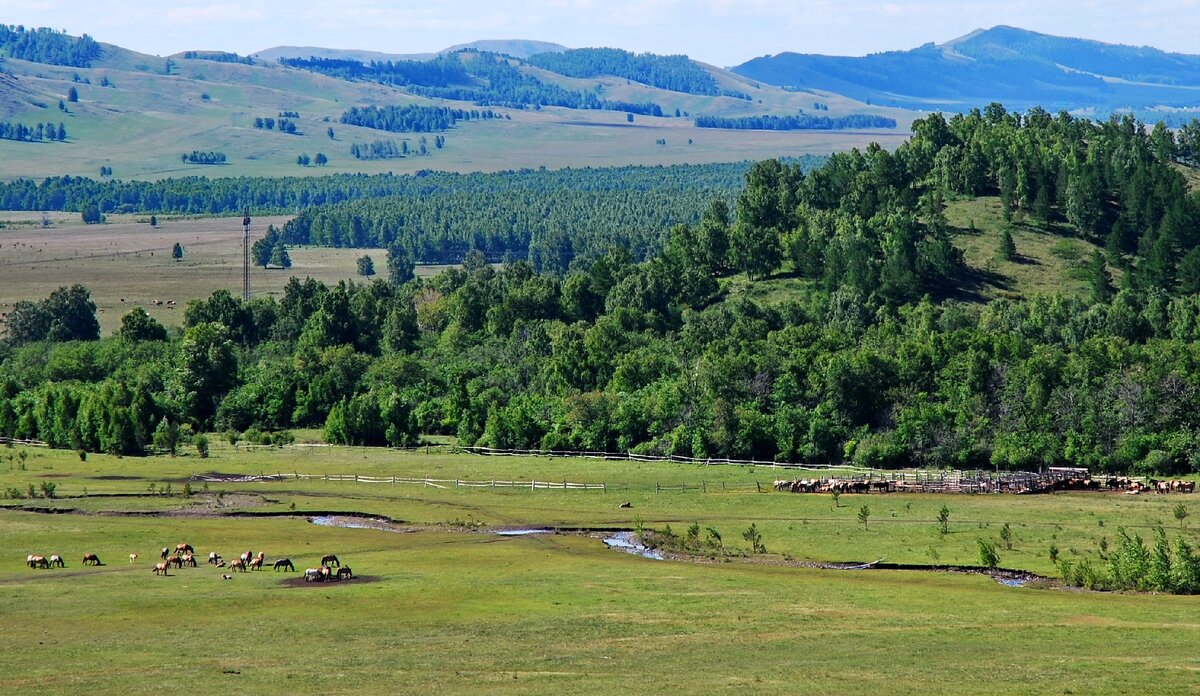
(676, 73)
(873, 363)
(48, 46)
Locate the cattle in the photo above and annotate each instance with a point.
(57, 560)
(226, 577)
(91, 559)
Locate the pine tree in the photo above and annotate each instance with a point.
(1102, 288)
(1008, 248)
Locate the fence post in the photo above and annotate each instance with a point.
(704, 486)
(756, 485)
(532, 484)
(456, 483)
(604, 487)
(656, 486)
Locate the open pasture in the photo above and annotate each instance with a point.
(451, 607)
(127, 259)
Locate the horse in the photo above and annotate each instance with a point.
(183, 548)
(91, 559)
(330, 559)
(175, 561)
(160, 568)
(286, 564)
(57, 560)
(165, 552)
(247, 556)
(133, 558)
(344, 573)
(188, 560)
(239, 564)
(214, 557)
(314, 575)
(35, 561)
(255, 563)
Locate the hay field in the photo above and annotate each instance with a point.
(126, 259)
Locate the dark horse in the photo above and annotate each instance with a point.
(91, 559)
(285, 564)
(330, 559)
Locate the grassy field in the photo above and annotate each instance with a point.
(450, 611)
(127, 259)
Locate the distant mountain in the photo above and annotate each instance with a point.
(517, 48)
(272, 55)
(1017, 67)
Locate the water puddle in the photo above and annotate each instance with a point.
(523, 532)
(628, 542)
(1012, 582)
(346, 523)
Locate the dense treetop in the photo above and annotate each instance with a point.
(44, 45)
(676, 73)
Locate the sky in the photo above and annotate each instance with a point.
(720, 32)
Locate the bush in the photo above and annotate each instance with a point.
(988, 558)
(202, 446)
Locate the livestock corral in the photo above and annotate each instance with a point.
(512, 590)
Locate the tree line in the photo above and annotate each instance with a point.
(677, 73)
(412, 118)
(197, 157)
(44, 45)
(282, 195)
(795, 122)
(32, 134)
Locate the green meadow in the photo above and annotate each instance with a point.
(444, 605)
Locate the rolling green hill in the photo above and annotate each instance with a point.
(154, 109)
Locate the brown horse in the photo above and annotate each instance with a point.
(256, 563)
(165, 552)
(344, 573)
(285, 564)
(174, 561)
(183, 548)
(330, 559)
(160, 568)
(188, 560)
(36, 561)
(57, 560)
(91, 559)
(238, 564)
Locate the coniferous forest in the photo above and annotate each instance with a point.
(875, 359)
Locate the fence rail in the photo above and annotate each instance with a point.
(531, 484)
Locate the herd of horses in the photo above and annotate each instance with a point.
(184, 555)
(1124, 484)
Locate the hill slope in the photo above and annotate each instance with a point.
(1017, 67)
(152, 110)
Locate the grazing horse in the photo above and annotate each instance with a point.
(184, 548)
(57, 560)
(286, 564)
(344, 573)
(165, 552)
(175, 561)
(188, 560)
(330, 559)
(239, 564)
(160, 568)
(91, 559)
(314, 574)
(255, 563)
(247, 556)
(214, 557)
(36, 561)
(133, 558)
